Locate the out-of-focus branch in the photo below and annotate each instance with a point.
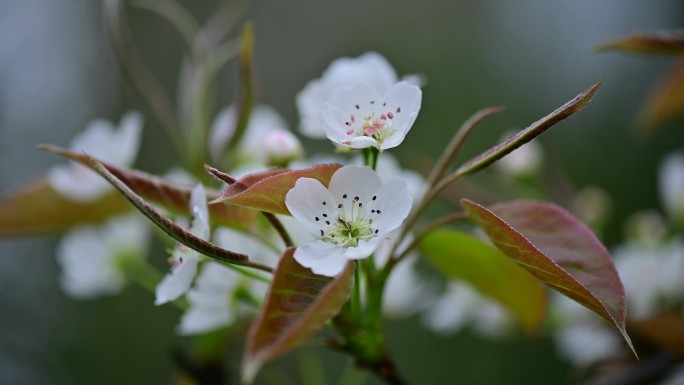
(138, 74)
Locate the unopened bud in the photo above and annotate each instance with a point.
(281, 147)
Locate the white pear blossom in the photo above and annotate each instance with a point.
(651, 275)
(582, 337)
(405, 293)
(281, 146)
(524, 161)
(360, 116)
(671, 184)
(100, 139)
(212, 298)
(93, 259)
(349, 219)
(184, 260)
(266, 139)
(370, 68)
(460, 306)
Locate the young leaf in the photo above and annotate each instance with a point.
(559, 250)
(36, 208)
(462, 256)
(665, 102)
(174, 231)
(297, 305)
(173, 197)
(265, 191)
(518, 139)
(663, 43)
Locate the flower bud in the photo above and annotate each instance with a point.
(281, 147)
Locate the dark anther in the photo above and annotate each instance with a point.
(378, 211)
(344, 196)
(374, 197)
(356, 199)
(325, 215)
(324, 203)
(376, 231)
(339, 206)
(317, 219)
(322, 233)
(327, 222)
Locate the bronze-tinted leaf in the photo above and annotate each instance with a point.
(265, 191)
(661, 43)
(559, 250)
(36, 208)
(462, 256)
(518, 139)
(665, 102)
(297, 305)
(171, 196)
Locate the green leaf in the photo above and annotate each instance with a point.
(297, 305)
(172, 197)
(265, 191)
(661, 43)
(36, 208)
(665, 102)
(559, 250)
(461, 256)
(516, 140)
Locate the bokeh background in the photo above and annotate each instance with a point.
(57, 72)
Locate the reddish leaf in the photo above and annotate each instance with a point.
(559, 250)
(171, 229)
(265, 191)
(298, 304)
(36, 208)
(173, 197)
(663, 43)
(462, 256)
(665, 102)
(535, 129)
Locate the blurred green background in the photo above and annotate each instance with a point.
(57, 72)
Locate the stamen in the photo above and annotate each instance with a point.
(317, 219)
(374, 197)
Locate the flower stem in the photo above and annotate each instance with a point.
(370, 157)
(278, 226)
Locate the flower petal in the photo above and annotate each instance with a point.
(364, 249)
(179, 279)
(200, 212)
(309, 200)
(321, 257)
(392, 205)
(354, 181)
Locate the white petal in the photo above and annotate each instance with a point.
(321, 257)
(405, 96)
(241, 242)
(364, 249)
(200, 212)
(354, 181)
(88, 267)
(198, 320)
(77, 183)
(309, 200)
(178, 281)
(392, 205)
(370, 68)
(671, 183)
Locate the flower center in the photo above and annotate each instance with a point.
(376, 125)
(353, 224)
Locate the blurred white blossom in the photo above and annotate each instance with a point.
(523, 161)
(93, 259)
(266, 139)
(370, 68)
(461, 306)
(671, 184)
(100, 139)
(212, 299)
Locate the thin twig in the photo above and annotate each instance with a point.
(457, 142)
(139, 75)
(278, 226)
